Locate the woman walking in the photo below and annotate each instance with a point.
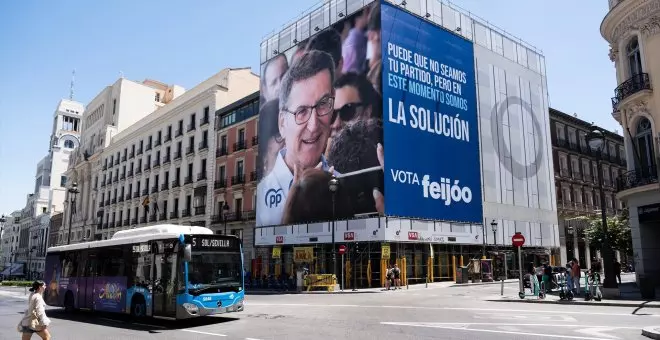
(35, 319)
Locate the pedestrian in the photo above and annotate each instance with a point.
(388, 277)
(35, 320)
(569, 276)
(577, 274)
(617, 270)
(547, 277)
(397, 276)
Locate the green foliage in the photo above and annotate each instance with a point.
(17, 283)
(618, 230)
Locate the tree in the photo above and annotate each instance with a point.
(618, 230)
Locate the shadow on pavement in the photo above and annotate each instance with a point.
(126, 322)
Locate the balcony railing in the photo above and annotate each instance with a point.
(177, 155)
(238, 179)
(179, 133)
(174, 214)
(240, 145)
(629, 87)
(128, 196)
(200, 210)
(221, 183)
(123, 158)
(636, 178)
(122, 177)
(127, 222)
(148, 147)
(136, 194)
(152, 218)
(138, 170)
(253, 176)
(185, 213)
(188, 180)
(168, 138)
(147, 166)
(132, 154)
(139, 151)
(145, 192)
(166, 159)
(162, 216)
(191, 126)
(156, 162)
(107, 202)
(222, 151)
(113, 201)
(154, 189)
(203, 145)
(105, 225)
(164, 187)
(157, 142)
(120, 198)
(129, 173)
(190, 150)
(175, 183)
(134, 221)
(201, 176)
(204, 120)
(101, 204)
(143, 219)
(255, 140)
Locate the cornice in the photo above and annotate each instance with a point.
(631, 15)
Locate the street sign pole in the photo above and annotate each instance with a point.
(520, 264)
(342, 272)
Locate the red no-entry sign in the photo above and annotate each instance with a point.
(518, 240)
(342, 249)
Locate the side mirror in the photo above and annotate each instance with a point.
(187, 253)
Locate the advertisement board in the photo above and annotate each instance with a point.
(321, 115)
(432, 167)
(110, 294)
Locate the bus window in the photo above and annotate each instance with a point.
(69, 264)
(111, 262)
(140, 269)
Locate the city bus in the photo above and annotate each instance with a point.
(167, 271)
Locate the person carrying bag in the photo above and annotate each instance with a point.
(35, 320)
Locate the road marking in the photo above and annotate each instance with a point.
(200, 332)
(464, 328)
(252, 339)
(549, 317)
(450, 308)
(598, 331)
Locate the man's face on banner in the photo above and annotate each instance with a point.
(305, 121)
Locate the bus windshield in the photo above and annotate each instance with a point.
(212, 272)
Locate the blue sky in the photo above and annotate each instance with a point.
(185, 42)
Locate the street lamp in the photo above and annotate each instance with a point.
(493, 227)
(596, 142)
(29, 264)
(225, 212)
(73, 191)
(11, 263)
(333, 185)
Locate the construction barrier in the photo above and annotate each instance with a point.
(327, 281)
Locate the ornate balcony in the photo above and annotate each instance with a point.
(636, 83)
(637, 178)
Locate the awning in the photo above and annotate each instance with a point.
(16, 269)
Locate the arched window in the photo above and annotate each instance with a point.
(69, 144)
(634, 57)
(644, 143)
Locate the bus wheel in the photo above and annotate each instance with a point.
(68, 302)
(138, 307)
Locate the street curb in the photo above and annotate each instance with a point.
(651, 332)
(482, 283)
(579, 303)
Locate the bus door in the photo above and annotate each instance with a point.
(85, 283)
(164, 278)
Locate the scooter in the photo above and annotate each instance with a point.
(592, 287)
(537, 289)
(565, 292)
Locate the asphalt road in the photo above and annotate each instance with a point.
(438, 312)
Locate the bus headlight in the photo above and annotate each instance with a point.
(191, 308)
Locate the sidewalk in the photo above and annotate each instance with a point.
(629, 296)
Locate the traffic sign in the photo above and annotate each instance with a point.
(342, 249)
(518, 240)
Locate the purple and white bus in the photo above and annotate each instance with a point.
(166, 271)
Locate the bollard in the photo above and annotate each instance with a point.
(427, 282)
(502, 288)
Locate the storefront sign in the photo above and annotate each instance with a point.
(649, 213)
(277, 252)
(303, 254)
(349, 236)
(385, 251)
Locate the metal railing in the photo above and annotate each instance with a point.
(636, 178)
(631, 86)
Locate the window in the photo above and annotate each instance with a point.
(644, 144)
(69, 144)
(223, 142)
(572, 137)
(559, 128)
(239, 168)
(634, 57)
(238, 205)
(157, 97)
(241, 136)
(63, 181)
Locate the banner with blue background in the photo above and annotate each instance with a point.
(431, 136)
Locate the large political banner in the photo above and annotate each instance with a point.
(431, 137)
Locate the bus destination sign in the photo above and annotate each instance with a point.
(204, 242)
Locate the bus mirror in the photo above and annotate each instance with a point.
(187, 253)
